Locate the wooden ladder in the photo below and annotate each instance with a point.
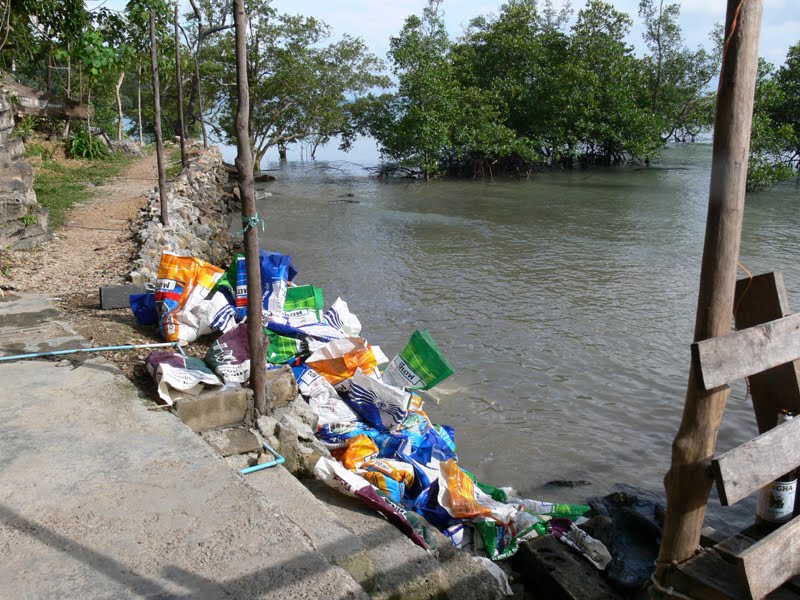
(765, 349)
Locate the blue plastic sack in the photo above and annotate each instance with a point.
(144, 308)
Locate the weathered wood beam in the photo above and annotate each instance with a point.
(760, 299)
(725, 359)
(767, 564)
(688, 483)
(751, 466)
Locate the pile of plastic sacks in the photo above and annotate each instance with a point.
(388, 452)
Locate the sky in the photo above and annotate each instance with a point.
(375, 21)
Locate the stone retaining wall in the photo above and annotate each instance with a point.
(23, 223)
(200, 203)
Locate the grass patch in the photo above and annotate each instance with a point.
(173, 160)
(61, 185)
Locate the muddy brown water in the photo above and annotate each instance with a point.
(565, 303)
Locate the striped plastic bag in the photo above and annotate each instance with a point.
(420, 365)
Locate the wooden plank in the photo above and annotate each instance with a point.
(724, 359)
(707, 576)
(761, 299)
(751, 466)
(768, 563)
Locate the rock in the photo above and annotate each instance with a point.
(262, 178)
(299, 445)
(268, 427)
(570, 483)
(629, 524)
(280, 388)
(126, 148)
(558, 573)
(299, 408)
(228, 442)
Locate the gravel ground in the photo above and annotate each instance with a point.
(94, 248)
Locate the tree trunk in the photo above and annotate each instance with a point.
(179, 77)
(119, 106)
(197, 72)
(244, 168)
(282, 152)
(162, 177)
(139, 104)
(49, 68)
(688, 483)
(68, 126)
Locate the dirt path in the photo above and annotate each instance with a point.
(94, 247)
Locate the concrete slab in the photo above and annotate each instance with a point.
(101, 497)
(212, 409)
(118, 296)
(228, 442)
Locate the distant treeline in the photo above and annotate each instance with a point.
(532, 87)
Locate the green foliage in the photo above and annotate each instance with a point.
(30, 218)
(59, 186)
(300, 83)
(82, 144)
(26, 127)
(773, 140)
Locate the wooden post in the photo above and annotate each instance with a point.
(179, 78)
(162, 177)
(244, 167)
(688, 481)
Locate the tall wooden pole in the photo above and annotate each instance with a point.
(688, 482)
(244, 168)
(179, 78)
(162, 177)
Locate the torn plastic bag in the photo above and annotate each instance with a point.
(335, 435)
(570, 534)
(382, 406)
(396, 469)
(427, 505)
(276, 271)
(393, 489)
(338, 360)
(176, 372)
(284, 349)
(322, 398)
(358, 449)
(304, 304)
(336, 476)
(229, 355)
(420, 365)
(143, 307)
(186, 305)
(459, 496)
(460, 534)
(340, 318)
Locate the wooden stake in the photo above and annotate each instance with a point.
(179, 77)
(162, 177)
(688, 482)
(244, 167)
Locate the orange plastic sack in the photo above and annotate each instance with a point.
(359, 449)
(338, 360)
(395, 469)
(186, 306)
(460, 497)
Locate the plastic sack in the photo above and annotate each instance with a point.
(395, 469)
(358, 450)
(229, 355)
(336, 476)
(283, 349)
(592, 550)
(143, 307)
(340, 318)
(420, 365)
(382, 406)
(460, 497)
(393, 489)
(303, 304)
(322, 398)
(186, 305)
(276, 271)
(338, 360)
(173, 371)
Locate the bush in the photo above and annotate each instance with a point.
(26, 127)
(81, 144)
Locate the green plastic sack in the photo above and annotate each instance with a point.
(304, 300)
(420, 365)
(283, 349)
(495, 492)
